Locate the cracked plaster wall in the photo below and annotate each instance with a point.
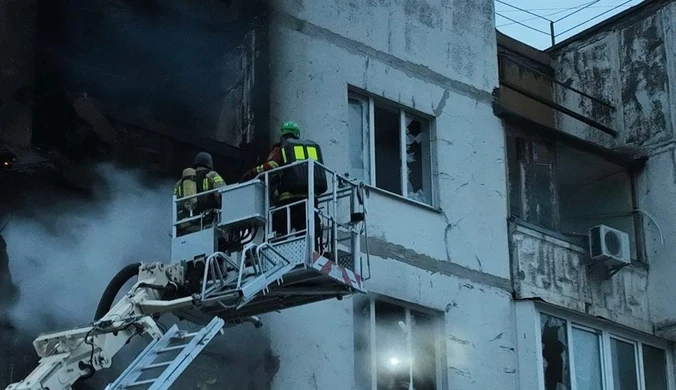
(319, 49)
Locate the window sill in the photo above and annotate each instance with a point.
(580, 243)
(403, 199)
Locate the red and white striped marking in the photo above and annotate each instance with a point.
(333, 270)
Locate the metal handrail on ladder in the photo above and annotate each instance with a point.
(151, 358)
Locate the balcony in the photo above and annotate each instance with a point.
(564, 180)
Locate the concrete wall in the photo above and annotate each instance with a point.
(632, 63)
(421, 55)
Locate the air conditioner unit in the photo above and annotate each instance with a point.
(609, 246)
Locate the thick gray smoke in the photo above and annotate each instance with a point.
(62, 257)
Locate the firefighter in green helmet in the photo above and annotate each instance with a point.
(292, 185)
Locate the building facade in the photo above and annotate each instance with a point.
(588, 125)
(486, 164)
(393, 93)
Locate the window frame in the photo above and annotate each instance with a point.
(370, 101)
(440, 344)
(606, 331)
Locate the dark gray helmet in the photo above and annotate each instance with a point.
(203, 159)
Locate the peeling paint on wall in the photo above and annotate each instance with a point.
(556, 272)
(626, 65)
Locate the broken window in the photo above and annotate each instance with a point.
(579, 364)
(393, 150)
(569, 191)
(555, 353)
(404, 347)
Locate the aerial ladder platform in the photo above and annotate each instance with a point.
(228, 265)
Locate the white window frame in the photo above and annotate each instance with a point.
(440, 350)
(370, 140)
(605, 330)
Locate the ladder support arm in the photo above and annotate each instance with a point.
(69, 355)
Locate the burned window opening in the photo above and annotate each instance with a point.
(568, 191)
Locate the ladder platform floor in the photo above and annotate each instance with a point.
(322, 280)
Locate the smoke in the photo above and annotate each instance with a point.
(63, 256)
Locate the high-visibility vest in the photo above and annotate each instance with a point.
(294, 180)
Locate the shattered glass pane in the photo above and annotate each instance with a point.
(556, 363)
(418, 159)
(623, 356)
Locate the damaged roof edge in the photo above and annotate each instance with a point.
(629, 161)
(609, 23)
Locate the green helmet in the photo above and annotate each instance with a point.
(290, 128)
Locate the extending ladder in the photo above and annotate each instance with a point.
(155, 368)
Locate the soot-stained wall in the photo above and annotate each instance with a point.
(631, 64)
(148, 83)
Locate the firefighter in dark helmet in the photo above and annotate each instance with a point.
(292, 185)
(196, 179)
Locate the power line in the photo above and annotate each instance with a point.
(529, 19)
(549, 9)
(524, 25)
(520, 9)
(597, 16)
(573, 13)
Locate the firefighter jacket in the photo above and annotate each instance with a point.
(293, 182)
(197, 180)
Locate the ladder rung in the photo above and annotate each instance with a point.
(140, 383)
(174, 348)
(156, 365)
(185, 336)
